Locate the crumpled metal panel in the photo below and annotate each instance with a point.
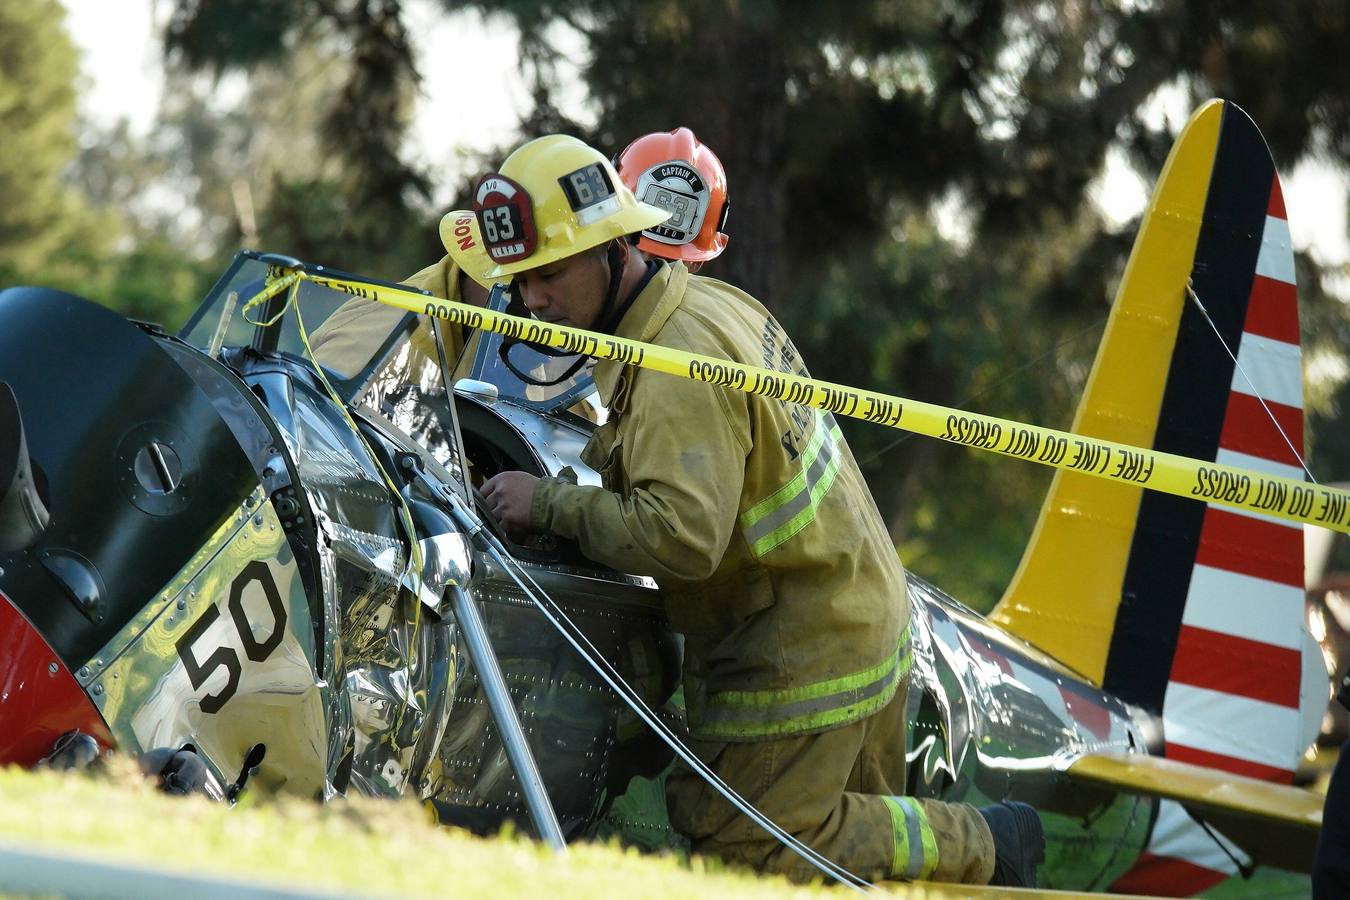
(262, 421)
(397, 659)
(991, 718)
(408, 389)
(175, 674)
(399, 673)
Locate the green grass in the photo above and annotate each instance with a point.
(357, 845)
(375, 848)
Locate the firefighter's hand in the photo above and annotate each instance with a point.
(510, 495)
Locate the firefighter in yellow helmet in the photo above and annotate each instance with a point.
(754, 519)
(348, 339)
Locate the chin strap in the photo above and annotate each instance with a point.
(610, 315)
(504, 351)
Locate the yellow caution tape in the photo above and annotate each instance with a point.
(1271, 495)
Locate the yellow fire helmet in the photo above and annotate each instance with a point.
(459, 233)
(554, 197)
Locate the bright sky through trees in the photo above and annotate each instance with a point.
(472, 102)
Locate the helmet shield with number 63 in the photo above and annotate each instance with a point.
(553, 198)
(677, 172)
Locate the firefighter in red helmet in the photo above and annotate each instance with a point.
(675, 171)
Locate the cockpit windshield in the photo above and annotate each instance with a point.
(362, 343)
(346, 334)
(562, 383)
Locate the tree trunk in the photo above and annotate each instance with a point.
(745, 127)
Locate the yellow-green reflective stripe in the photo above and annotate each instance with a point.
(771, 522)
(794, 486)
(807, 514)
(900, 861)
(916, 853)
(820, 688)
(930, 847)
(751, 714)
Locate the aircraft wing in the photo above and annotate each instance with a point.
(1275, 824)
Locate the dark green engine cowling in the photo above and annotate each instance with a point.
(131, 460)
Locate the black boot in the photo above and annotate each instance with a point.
(181, 772)
(1019, 843)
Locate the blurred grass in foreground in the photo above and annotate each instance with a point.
(380, 848)
(352, 846)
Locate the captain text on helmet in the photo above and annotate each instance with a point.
(677, 172)
(752, 516)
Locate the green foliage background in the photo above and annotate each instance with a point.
(844, 127)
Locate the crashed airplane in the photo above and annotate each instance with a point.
(215, 542)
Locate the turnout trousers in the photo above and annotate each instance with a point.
(840, 793)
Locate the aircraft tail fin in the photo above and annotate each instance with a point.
(1192, 611)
